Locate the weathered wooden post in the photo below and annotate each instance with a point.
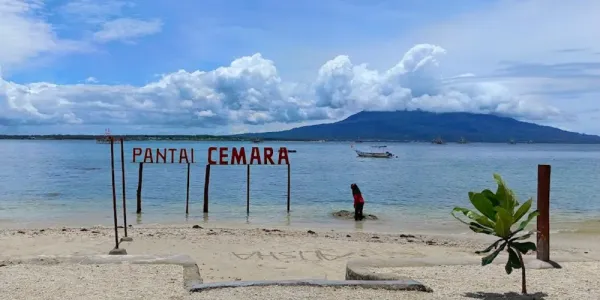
(289, 185)
(116, 250)
(139, 188)
(206, 184)
(543, 219)
(187, 194)
(248, 189)
(125, 237)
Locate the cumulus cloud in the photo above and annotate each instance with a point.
(250, 92)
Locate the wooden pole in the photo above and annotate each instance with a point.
(206, 184)
(248, 190)
(114, 190)
(187, 194)
(543, 220)
(123, 184)
(289, 185)
(139, 188)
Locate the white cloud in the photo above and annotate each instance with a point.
(24, 34)
(89, 80)
(126, 29)
(250, 92)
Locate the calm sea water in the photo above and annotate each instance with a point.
(66, 182)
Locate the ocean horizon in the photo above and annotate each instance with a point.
(61, 183)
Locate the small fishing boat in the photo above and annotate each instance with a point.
(385, 154)
(106, 138)
(374, 154)
(379, 146)
(256, 141)
(438, 141)
(291, 151)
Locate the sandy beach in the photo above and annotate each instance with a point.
(234, 253)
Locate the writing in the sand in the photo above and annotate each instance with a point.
(164, 155)
(314, 255)
(239, 156)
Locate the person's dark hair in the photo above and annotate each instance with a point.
(355, 189)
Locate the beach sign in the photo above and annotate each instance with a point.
(239, 156)
(216, 156)
(163, 155)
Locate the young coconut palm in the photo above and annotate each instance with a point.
(496, 214)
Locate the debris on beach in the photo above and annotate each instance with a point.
(349, 215)
(197, 227)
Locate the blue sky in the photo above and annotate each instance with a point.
(235, 66)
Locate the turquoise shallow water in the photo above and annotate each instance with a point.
(66, 182)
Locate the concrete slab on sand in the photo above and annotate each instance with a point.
(366, 268)
(191, 277)
(306, 293)
(187, 266)
(395, 285)
(91, 281)
(467, 279)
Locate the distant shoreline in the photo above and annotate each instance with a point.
(201, 138)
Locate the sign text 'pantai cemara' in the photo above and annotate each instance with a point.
(216, 156)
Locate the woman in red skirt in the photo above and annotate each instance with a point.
(359, 202)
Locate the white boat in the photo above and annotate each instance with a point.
(374, 154)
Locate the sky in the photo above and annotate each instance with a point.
(234, 66)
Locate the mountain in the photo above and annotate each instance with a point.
(425, 126)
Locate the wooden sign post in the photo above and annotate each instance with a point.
(116, 250)
(144, 156)
(543, 219)
(239, 156)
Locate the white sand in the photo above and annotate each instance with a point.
(101, 282)
(573, 281)
(243, 254)
(227, 254)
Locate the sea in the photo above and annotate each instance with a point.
(68, 183)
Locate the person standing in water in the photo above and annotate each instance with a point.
(359, 202)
